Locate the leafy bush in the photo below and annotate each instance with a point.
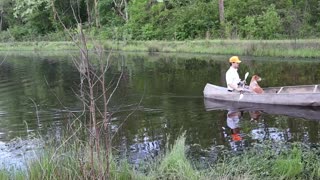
(249, 28)
(18, 32)
(5, 36)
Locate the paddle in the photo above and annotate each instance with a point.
(245, 77)
(244, 82)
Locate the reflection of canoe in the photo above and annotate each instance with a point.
(270, 133)
(311, 113)
(305, 95)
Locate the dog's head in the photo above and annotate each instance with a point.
(256, 78)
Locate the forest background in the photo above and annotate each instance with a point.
(178, 21)
(125, 20)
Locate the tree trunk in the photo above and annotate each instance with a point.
(221, 17)
(126, 10)
(54, 11)
(221, 11)
(88, 12)
(96, 11)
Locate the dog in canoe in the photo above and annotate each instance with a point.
(254, 86)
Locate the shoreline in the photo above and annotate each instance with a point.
(306, 48)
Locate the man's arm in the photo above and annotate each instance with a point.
(235, 87)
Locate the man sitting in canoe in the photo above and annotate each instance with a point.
(232, 77)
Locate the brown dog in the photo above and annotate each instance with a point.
(254, 86)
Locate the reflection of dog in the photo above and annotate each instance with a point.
(255, 115)
(254, 86)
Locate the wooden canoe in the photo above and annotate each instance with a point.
(304, 95)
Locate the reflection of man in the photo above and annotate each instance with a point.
(237, 144)
(233, 118)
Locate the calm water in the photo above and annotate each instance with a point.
(37, 94)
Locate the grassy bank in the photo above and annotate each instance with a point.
(268, 161)
(273, 48)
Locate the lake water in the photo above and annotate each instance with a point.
(163, 94)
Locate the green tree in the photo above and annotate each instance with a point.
(174, 20)
(71, 12)
(23, 9)
(138, 18)
(109, 13)
(249, 28)
(5, 12)
(37, 17)
(164, 19)
(195, 20)
(32, 18)
(270, 23)
(241, 15)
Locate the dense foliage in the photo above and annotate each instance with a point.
(161, 19)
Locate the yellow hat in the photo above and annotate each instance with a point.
(234, 59)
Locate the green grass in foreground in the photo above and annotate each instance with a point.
(268, 161)
(274, 48)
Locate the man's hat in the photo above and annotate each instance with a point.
(234, 59)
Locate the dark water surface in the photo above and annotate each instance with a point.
(37, 94)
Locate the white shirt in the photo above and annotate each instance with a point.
(232, 77)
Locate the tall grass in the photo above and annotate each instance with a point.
(175, 165)
(275, 48)
(266, 161)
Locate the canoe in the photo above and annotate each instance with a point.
(304, 95)
(305, 112)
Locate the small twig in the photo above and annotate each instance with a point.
(37, 112)
(4, 59)
(114, 90)
(64, 142)
(26, 126)
(129, 115)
